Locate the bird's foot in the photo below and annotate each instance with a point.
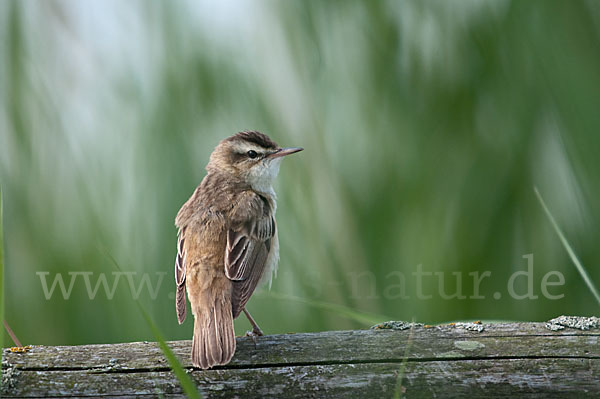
(254, 334)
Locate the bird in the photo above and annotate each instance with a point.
(227, 242)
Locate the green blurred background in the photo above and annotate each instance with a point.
(426, 125)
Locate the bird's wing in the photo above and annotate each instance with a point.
(248, 247)
(180, 268)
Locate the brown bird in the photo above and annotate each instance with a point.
(227, 242)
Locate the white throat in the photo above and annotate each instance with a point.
(262, 175)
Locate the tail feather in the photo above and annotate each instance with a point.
(180, 304)
(214, 337)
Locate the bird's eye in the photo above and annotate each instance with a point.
(252, 154)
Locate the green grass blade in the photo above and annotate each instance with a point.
(361, 317)
(568, 248)
(184, 379)
(1, 279)
(186, 382)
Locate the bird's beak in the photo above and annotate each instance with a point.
(282, 152)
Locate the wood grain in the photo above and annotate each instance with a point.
(443, 361)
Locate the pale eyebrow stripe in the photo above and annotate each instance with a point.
(245, 147)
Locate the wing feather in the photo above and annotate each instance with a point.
(247, 250)
(180, 270)
(243, 290)
(238, 247)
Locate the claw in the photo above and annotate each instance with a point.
(254, 334)
(256, 331)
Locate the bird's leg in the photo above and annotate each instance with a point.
(256, 331)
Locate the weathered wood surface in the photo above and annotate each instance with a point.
(504, 360)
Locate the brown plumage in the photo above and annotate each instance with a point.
(227, 242)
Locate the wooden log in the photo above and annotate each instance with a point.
(442, 361)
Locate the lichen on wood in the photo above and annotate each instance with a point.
(505, 359)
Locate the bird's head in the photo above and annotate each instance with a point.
(250, 156)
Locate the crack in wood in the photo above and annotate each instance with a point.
(504, 360)
(115, 370)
